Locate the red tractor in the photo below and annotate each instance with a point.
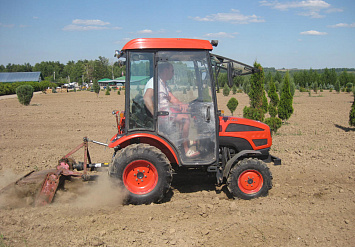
(171, 122)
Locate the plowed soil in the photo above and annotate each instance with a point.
(312, 202)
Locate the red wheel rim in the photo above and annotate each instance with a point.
(140, 177)
(250, 181)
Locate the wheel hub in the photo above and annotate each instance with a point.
(140, 177)
(250, 181)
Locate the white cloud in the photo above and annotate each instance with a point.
(148, 31)
(312, 14)
(90, 22)
(122, 41)
(313, 32)
(342, 25)
(7, 25)
(145, 31)
(220, 35)
(311, 8)
(311, 4)
(234, 17)
(334, 10)
(82, 28)
(88, 25)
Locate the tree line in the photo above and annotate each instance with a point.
(303, 80)
(82, 71)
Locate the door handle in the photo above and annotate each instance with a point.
(208, 114)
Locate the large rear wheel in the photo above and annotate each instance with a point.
(144, 171)
(250, 178)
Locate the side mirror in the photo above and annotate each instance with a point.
(230, 74)
(121, 63)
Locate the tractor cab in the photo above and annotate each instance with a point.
(170, 94)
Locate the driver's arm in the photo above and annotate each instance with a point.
(175, 101)
(148, 100)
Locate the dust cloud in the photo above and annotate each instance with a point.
(15, 196)
(105, 191)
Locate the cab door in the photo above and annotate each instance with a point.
(185, 105)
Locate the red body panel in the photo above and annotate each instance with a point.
(168, 43)
(247, 135)
(150, 139)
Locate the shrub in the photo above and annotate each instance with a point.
(337, 86)
(265, 104)
(226, 90)
(119, 92)
(349, 87)
(302, 89)
(272, 110)
(352, 112)
(274, 123)
(315, 87)
(232, 104)
(234, 89)
(285, 108)
(274, 97)
(24, 94)
(96, 87)
(253, 113)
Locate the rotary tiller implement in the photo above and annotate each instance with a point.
(42, 185)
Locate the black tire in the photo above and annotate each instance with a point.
(144, 171)
(250, 178)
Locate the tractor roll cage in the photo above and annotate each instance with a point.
(234, 68)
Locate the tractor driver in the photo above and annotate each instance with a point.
(166, 73)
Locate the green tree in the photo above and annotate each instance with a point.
(226, 90)
(315, 87)
(96, 88)
(24, 94)
(349, 87)
(238, 81)
(273, 121)
(256, 111)
(234, 89)
(285, 108)
(232, 104)
(278, 77)
(274, 97)
(352, 112)
(337, 86)
(265, 104)
(343, 78)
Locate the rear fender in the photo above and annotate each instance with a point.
(232, 161)
(153, 140)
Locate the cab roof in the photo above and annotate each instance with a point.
(167, 43)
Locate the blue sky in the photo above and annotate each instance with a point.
(281, 34)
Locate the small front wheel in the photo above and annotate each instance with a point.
(144, 171)
(250, 178)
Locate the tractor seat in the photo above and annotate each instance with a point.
(141, 116)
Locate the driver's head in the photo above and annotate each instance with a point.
(165, 71)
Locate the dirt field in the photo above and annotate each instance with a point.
(312, 202)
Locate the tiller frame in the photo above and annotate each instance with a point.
(65, 167)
